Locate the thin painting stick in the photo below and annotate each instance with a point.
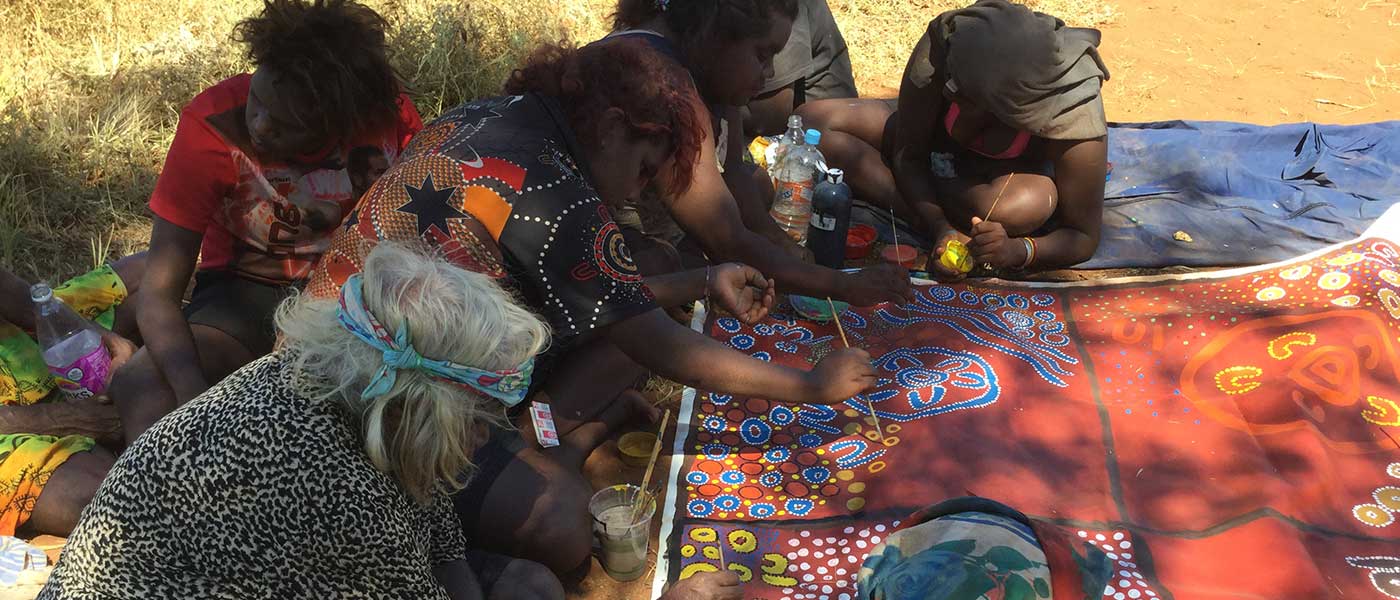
(879, 430)
(646, 479)
(998, 198)
(894, 227)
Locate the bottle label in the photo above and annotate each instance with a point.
(86, 376)
(798, 194)
(823, 222)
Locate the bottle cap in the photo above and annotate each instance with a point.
(794, 121)
(40, 292)
(814, 137)
(835, 175)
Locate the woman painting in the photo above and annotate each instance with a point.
(998, 139)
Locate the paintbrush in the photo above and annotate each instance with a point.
(880, 431)
(639, 501)
(998, 198)
(894, 227)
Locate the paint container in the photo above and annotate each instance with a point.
(956, 256)
(859, 238)
(624, 540)
(901, 255)
(635, 448)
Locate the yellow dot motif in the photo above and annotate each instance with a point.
(710, 552)
(1237, 380)
(1389, 497)
(703, 535)
(1373, 515)
(1346, 260)
(688, 550)
(1269, 294)
(1390, 277)
(743, 541)
(1347, 301)
(1296, 273)
(1391, 301)
(1334, 281)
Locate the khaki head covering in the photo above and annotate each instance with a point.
(1026, 67)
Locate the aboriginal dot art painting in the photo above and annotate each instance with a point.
(1213, 435)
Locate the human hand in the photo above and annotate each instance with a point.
(741, 290)
(841, 375)
(121, 351)
(990, 245)
(714, 585)
(941, 271)
(885, 282)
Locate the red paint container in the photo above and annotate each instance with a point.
(859, 238)
(905, 257)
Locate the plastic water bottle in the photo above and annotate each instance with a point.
(71, 345)
(794, 180)
(794, 136)
(831, 218)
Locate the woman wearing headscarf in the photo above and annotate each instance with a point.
(998, 138)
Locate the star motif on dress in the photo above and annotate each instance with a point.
(352, 220)
(431, 206)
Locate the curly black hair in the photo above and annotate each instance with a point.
(697, 20)
(332, 59)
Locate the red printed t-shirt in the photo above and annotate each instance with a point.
(265, 221)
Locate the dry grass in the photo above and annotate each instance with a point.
(90, 91)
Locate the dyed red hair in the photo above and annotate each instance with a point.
(654, 93)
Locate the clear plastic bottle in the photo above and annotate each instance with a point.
(831, 219)
(793, 137)
(796, 176)
(72, 346)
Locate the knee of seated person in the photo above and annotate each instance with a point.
(563, 534)
(1026, 205)
(527, 580)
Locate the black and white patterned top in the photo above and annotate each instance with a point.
(253, 491)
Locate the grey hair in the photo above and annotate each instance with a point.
(424, 430)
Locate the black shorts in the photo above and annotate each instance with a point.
(239, 307)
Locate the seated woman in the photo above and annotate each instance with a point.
(728, 48)
(814, 65)
(54, 449)
(1000, 107)
(255, 183)
(521, 188)
(322, 470)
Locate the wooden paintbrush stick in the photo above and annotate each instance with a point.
(880, 431)
(646, 479)
(998, 198)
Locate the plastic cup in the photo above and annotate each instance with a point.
(624, 540)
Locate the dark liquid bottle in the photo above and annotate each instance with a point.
(831, 218)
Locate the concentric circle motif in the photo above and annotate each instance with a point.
(1347, 301)
(700, 508)
(612, 255)
(1269, 294)
(1334, 281)
(1296, 273)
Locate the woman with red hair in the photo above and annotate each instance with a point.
(521, 188)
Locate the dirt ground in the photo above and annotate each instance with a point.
(1240, 60)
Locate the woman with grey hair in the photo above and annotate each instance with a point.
(323, 469)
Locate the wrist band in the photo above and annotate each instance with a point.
(1030, 252)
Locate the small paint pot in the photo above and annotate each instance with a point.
(635, 448)
(859, 238)
(901, 255)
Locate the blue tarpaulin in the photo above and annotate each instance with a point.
(1245, 194)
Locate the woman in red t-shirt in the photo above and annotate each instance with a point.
(262, 170)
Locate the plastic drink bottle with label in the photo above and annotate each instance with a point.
(72, 346)
(794, 179)
(794, 136)
(831, 218)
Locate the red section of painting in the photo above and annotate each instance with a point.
(1219, 437)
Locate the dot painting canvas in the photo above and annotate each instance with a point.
(1212, 435)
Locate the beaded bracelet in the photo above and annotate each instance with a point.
(1030, 252)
